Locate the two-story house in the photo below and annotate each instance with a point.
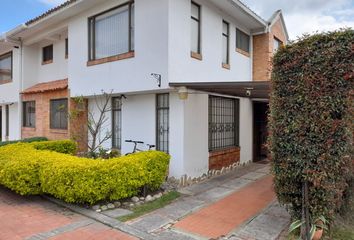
(191, 77)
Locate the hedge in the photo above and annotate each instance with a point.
(311, 121)
(26, 140)
(27, 170)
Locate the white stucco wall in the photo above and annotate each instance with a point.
(14, 122)
(9, 92)
(128, 75)
(183, 68)
(246, 130)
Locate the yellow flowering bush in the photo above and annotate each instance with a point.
(37, 168)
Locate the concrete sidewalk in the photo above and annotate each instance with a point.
(223, 206)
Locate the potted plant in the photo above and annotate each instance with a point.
(316, 227)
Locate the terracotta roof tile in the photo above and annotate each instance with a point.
(50, 11)
(47, 86)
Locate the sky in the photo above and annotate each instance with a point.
(301, 16)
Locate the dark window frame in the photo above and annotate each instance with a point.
(219, 113)
(50, 56)
(66, 47)
(6, 55)
(199, 25)
(227, 35)
(116, 144)
(92, 31)
(51, 123)
(165, 146)
(7, 121)
(28, 114)
(242, 33)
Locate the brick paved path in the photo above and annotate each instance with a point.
(33, 218)
(225, 215)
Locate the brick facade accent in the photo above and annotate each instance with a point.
(263, 51)
(223, 158)
(77, 127)
(42, 128)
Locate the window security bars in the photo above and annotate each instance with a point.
(223, 122)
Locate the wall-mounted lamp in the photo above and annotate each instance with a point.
(248, 91)
(183, 93)
(157, 77)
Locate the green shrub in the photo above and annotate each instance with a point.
(27, 169)
(26, 140)
(311, 114)
(62, 146)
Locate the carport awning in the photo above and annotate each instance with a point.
(252, 89)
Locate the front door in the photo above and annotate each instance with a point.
(260, 130)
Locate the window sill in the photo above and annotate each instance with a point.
(47, 62)
(247, 54)
(66, 56)
(58, 131)
(226, 66)
(111, 59)
(5, 81)
(197, 56)
(28, 128)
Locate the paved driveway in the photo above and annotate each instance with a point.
(34, 218)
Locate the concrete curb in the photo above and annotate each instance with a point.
(111, 222)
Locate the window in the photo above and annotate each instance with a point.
(276, 44)
(29, 114)
(66, 48)
(116, 122)
(6, 68)
(223, 123)
(242, 41)
(195, 28)
(225, 42)
(47, 54)
(59, 114)
(7, 122)
(112, 32)
(162, 123)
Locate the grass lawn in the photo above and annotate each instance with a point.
(151, 206)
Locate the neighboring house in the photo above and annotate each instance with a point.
(191, 77)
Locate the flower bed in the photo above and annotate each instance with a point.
(47, 167)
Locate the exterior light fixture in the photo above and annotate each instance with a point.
(183, 93)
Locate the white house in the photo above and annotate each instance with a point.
(190, 77)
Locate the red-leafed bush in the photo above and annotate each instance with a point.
(311, 121)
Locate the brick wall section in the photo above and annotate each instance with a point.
(263, 51)
(77, 127)
(223, 158)
(78, 123)
(42, 128)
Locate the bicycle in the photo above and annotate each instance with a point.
(136, 149)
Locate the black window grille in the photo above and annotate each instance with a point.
(162, 123)
(117, 122)
(59, 114)
(223, 122)
(29, 114)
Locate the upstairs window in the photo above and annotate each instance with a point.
(276, 44)
(195, 28)
(29, 114)
(6, 68)
(47, 55)
(242, 41)
(66, 48)
(111, 33)
(225, 42)
(59, 114)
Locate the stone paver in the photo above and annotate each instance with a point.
(150, 223)
(118, 212)
(34, 218)
(221, 217)
(266, 226)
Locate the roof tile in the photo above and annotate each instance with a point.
(47, 86)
